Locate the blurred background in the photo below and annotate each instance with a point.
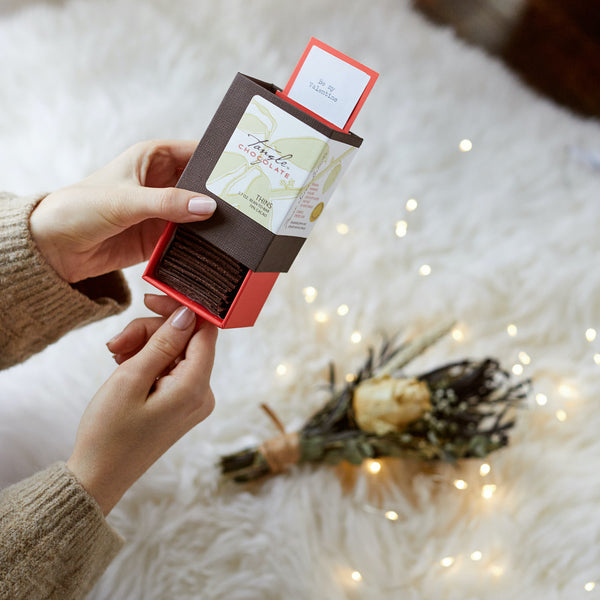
(475, 196)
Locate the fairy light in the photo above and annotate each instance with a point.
(374, 466)
(465, 145)
(496, 570)
(401, 228)
(512, 330)
(597, 359)
(447, 561)
(566, 390)
(457, 334)
(590, 334)
(350, 377)
(356, 337)
(411, 204)
(342, 228)
(561, 415)
(342, 310)
(460, 484)
(484, 469)
(541, 399)
(524, 358)
(517, 369)
(391, 515)
(589, 586)
(310, 294)
(424, 270)
(321, 317)
(487, 491)
(281, 369)
(356, 576)
(476, 556)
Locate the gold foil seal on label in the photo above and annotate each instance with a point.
(317, 210)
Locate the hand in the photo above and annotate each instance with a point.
(145, 406)
(135, 335)
(113, 218)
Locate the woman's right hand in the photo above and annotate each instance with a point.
(153, 398)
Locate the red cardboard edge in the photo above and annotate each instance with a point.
(197, 308)
(245, 308)
(373, 75)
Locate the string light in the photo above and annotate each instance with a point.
(350, 377)
(496, 570)
(524, 358)
(411, 204)
(424, 270)
(447, 561)
(460, 484)
(561, 415)
(512, 330)
(597, 359)
(392, 515)
(321, 317)
(590, 334)
(465, 145)
(342, 310)
(310, 293)
(342, 228)
(589, 586)
(356, 576)
(484, 469)
(374, 466)
(564, 389)
(356, 337)
(476, 555)
(487, 491)
(401, 228)
(541, 399)
(517, 369)
(281, 369)
(457, 334)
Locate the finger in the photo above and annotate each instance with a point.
(135, 335)
(190, 378)
(167, 343)
(161, 305)
(130, 205)
(197, 365)
(157, 161)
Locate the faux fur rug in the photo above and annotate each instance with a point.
(509, 231)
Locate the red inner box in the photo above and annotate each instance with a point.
(244, 309)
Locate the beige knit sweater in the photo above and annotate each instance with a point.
(54, 540)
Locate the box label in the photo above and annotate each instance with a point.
(278, 170)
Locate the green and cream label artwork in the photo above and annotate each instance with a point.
(278, 170)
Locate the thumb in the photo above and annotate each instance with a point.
(165, 345)
(170, 204)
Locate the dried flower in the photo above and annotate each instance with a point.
(385, 404)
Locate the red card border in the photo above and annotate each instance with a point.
(372, 74)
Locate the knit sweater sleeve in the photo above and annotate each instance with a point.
(54, 540)
(37, 306)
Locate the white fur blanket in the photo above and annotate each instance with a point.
(509, 230)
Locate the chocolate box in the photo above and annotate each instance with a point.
(271, 166)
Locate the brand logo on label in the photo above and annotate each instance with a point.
(263, 154)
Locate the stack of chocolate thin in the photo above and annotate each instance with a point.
(201, 271)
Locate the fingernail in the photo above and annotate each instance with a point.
(202, 206)
(114, 339)
(182, 318)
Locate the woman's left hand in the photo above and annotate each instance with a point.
(113, 218)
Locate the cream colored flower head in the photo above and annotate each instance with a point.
(385, 405)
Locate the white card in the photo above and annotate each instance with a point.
(328, 86)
